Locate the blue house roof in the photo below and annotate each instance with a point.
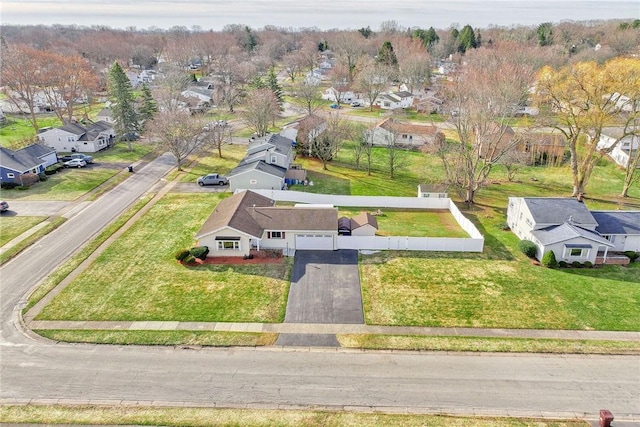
(617, 222)
(19, 161)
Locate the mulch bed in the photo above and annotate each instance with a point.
(262, 257)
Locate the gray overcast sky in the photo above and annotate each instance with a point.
(343, 14)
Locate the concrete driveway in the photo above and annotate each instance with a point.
(325, 288)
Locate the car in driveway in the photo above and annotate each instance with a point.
(212, 179)
(335, 106)
(4, 206)
(87, 159)
(356, 104)
(75, 163)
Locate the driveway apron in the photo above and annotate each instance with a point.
(325, 288)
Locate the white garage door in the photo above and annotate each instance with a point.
(314, 242)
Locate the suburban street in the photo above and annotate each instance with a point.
(39, 371)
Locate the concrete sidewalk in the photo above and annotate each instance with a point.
(317, 328)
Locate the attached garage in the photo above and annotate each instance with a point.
(314, 242)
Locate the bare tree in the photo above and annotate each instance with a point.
(349, 47)
(415, 70)
(396, 152)
(373, 80)
(180, 133)
(21, 71)
(513, 161)
(217, 135)
(261, 109)
(586, 97)
(326, 145)
(481, 96)
(69, 80)
(309, 97)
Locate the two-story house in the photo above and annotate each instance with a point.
(77, 137)
(265, 165)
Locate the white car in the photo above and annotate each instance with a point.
(75, 163)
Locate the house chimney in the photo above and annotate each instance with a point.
(579, 198)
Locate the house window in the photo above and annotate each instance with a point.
(10, 175)
(577, 250)
(529, 223)
(275, 234)
(253, 181)
(274, 159)
(231, 243)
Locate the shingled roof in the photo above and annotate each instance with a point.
(235, 212)
(558, 210)
(617, 222)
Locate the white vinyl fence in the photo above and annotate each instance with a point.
(473, 244)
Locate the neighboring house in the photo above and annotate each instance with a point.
(364, 224)
(308, 128)
(20, 167)
(76, 137)
(438, 191)
(133, 78)
(41, 152)
(390, 130)
(621, 228)
(105, 115)
(395, 100)
(314, 77)
(562, 225)
(543, 148)
(202, 94)
(248, 221)
(333, 95)
(624, 151)
(256, 175)
(147, 76)
(266, 165)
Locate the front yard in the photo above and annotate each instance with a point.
(138, 278)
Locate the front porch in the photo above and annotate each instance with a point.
(611, 258)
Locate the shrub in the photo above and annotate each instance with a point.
(9, 185)
(632, 255)
(549, 260)
(528, 248)
(199, 252)
(182, 254)
(43, 177)
(588, 264)
(189, 259)
(576, 264)
(505, 227)
(563, 264)
(54, 168)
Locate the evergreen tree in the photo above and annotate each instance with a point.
(366, 32)
(123, 110)
(257, 83)
(466, 39)
(387, 56)
(148, 107)
(428, 37)
(272, 83)
(545, 34)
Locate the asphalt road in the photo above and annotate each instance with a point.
(33, 370)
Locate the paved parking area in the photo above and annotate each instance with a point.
(325, 288)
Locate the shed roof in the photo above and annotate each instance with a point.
(362, 219)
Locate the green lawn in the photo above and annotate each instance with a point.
(68, 184)
(137, 277)
(207, 417)
(412, 222)
(13, 226)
